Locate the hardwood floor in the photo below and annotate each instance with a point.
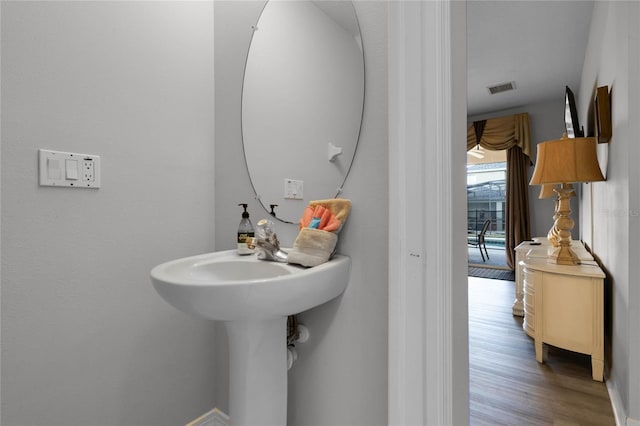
(508, 386)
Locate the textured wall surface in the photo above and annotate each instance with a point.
(85, 338)
(611, 223)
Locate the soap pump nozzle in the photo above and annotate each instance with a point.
(245, 214)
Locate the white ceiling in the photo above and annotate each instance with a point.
(539, 45)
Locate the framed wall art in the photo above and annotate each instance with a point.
(602, 111)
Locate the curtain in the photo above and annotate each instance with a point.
(501, 133)
(518, 223)
(511, 133)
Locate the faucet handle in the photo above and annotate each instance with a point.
(273, 206)
(251, 243)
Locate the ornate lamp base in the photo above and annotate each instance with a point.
(563, 255)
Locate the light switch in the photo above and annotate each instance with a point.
(293, 189)
(54, 171)
(71, 169)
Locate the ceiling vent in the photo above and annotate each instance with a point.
(502, 87)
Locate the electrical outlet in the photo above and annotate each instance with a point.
(88, 170)
(293, 189)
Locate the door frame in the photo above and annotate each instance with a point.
(428, 330)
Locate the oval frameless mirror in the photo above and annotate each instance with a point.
(302, 102)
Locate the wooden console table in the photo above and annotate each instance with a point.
(564, 307)
(539, 248)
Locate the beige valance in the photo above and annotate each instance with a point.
(502, 133)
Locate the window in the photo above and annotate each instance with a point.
(486, 184)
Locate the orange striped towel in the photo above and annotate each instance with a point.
(326, 215)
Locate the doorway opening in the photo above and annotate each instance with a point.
(486, 215)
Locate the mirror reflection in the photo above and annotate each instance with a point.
(302, 102)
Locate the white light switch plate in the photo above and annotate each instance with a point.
(68, 169)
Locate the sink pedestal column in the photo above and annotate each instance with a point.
(258, 372)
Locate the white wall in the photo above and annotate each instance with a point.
(611, 209)
(547, 122)
(85, 338)
(341, 375)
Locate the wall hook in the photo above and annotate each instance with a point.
(334, 151)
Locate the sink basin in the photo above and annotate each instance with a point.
(225, 286)
(253, 297)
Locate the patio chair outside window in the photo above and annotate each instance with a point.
(479, 240)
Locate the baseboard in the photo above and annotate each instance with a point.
(619, 412)
(214, 417)
(632, 422)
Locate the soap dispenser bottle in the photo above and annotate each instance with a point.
(245, 230)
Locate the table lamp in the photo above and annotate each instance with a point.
(547, 191)
(561, 162)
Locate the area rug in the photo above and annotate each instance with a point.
(494, 274)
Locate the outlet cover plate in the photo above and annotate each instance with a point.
(68, 169)
(293, 189)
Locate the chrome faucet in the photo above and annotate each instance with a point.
(266, 244)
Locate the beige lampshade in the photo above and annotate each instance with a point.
(567, 160)
(546, 190)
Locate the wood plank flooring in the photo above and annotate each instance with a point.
(508, 386)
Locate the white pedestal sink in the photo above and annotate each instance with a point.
(253, 297)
